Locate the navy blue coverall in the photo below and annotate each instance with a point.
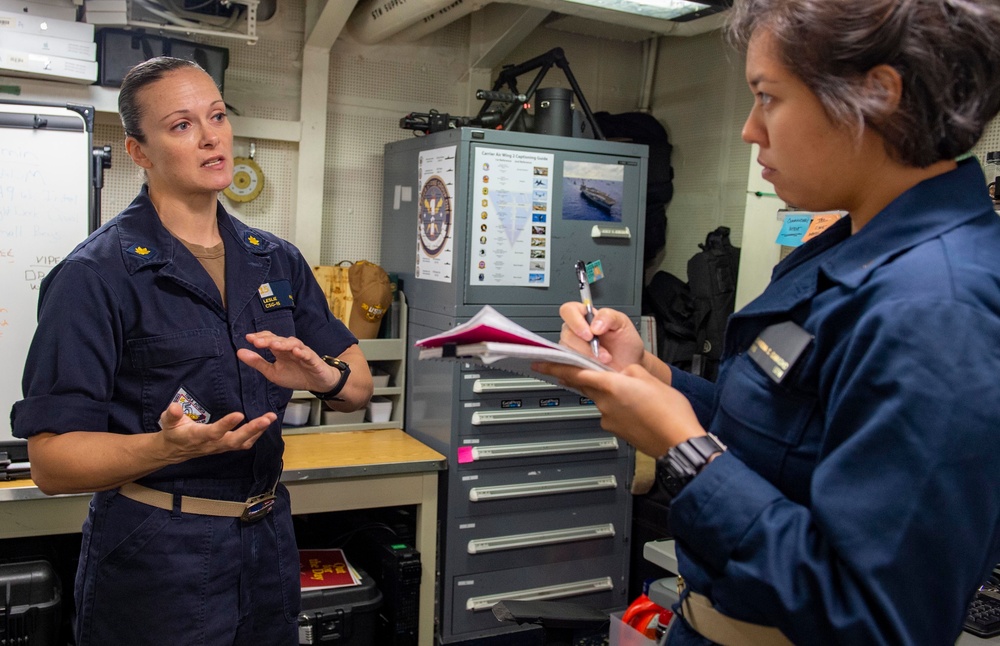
(857, 503)
(126, 321)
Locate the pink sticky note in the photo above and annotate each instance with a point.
(465, 455)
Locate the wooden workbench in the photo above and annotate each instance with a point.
(323, 472)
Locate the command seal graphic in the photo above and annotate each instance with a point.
(434, 216)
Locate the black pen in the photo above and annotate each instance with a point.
(588, 302)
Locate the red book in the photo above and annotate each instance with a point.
(322, 569)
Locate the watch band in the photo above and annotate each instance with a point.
(345, 372)
(683, 462)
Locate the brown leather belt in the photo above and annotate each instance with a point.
(252, 510)
(704, 619)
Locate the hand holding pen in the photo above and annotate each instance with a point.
(588, 302)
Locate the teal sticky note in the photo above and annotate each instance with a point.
(793, 228)
(595, 271)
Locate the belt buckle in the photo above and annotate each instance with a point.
(258, 507)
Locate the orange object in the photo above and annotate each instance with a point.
(642, 614)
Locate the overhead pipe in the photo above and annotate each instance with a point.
(373, 21)
(650, 51)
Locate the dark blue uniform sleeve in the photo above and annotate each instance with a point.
(911, 428)
(69, 373)
(700, 392)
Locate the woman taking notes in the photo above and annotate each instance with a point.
(847, 492)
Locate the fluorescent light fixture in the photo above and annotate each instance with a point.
(663, 9)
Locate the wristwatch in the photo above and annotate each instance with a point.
(345, 372)
(683, 462)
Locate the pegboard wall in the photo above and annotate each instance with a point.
(352, 187)
(123, 180)
(251, 68)
(990, 142)
(609, 72)
(270, 211)
(701, 97)
(370, 89)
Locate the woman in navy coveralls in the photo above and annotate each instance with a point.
(857, 502)
(143, 378)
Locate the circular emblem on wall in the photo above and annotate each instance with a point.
(434, 216)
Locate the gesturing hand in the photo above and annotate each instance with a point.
(187, 439)
(295, 366)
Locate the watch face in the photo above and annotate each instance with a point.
(434, 216)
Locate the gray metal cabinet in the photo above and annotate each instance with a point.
(535, 503)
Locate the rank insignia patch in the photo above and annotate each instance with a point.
(141, 251)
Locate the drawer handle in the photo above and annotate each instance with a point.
(485, 418)
(526, 489)
(561, 591)
(480, 386)
(537, 539)
(527, 450)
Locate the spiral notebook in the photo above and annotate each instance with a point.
(493, 340)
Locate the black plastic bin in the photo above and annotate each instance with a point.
(30, 597)
(119, 50)
(341, 616)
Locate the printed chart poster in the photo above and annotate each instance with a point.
(593, 191)
(512, 227)
(435, 214)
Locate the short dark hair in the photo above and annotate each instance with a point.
(946, 51)
(139, 77)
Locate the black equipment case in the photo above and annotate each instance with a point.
(119, 50)
(341, 616)
(31, 596)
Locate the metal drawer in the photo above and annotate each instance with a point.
(494, 383)
(541, 486)
(536, 537)
(491, 451)
(478, 418)
(594, 582)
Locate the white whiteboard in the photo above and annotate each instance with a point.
(44, 214)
